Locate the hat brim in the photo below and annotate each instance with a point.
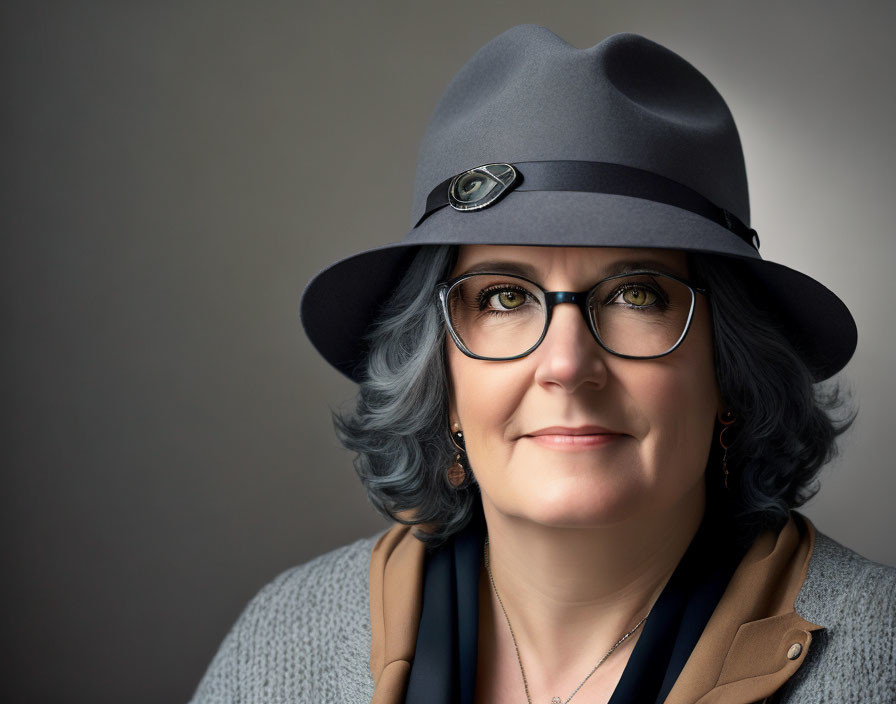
(339, 303)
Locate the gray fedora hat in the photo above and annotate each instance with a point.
(535, 142)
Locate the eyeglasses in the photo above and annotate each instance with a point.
(636, 315)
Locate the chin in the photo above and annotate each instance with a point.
(571, 503)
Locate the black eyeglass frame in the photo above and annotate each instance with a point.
(553, 298)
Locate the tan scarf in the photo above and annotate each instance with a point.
(753, 643)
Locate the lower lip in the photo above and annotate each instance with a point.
(573, 442)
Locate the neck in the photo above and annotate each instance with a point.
(572, 593)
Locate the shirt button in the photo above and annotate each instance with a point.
(794, 652)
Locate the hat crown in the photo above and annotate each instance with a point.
(528, 95)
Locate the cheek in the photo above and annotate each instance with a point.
(680, 409)
(680, 401)
(677, 395)
(484, 396)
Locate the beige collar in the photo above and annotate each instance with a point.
(750, 647)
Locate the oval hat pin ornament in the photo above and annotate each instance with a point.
(482, 186)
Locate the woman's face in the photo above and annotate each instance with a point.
(649, 422)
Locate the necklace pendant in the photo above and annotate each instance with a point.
(556, 700)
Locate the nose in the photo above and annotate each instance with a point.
(569, 356)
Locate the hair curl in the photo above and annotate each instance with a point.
(784, 433)
(786, 424)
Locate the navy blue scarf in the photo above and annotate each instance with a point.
(444, 667)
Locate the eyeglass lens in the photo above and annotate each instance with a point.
(502, 316)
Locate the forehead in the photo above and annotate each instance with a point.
(586, 264)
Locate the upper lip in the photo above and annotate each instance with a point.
(581, 430)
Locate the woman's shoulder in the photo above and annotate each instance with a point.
(334, 574)
(853, 656)
(329, 589)
(845, 588)
(300, 634)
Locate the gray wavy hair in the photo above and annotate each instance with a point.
(399, 428)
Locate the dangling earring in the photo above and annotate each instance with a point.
(457, 473)
(726, 422)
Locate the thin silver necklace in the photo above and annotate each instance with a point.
(555, 700)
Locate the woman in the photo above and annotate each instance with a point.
(590, 407)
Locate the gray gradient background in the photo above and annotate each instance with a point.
(175, 172)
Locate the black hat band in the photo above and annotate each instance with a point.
(602, 177)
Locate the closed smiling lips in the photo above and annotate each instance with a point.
(563, 438)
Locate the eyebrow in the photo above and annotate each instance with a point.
(503, 267)
(500, 266)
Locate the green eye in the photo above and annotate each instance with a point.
(508, 299)
(639, 297)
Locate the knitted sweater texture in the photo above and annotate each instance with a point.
(305, 637)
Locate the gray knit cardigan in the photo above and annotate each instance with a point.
(305, 637)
